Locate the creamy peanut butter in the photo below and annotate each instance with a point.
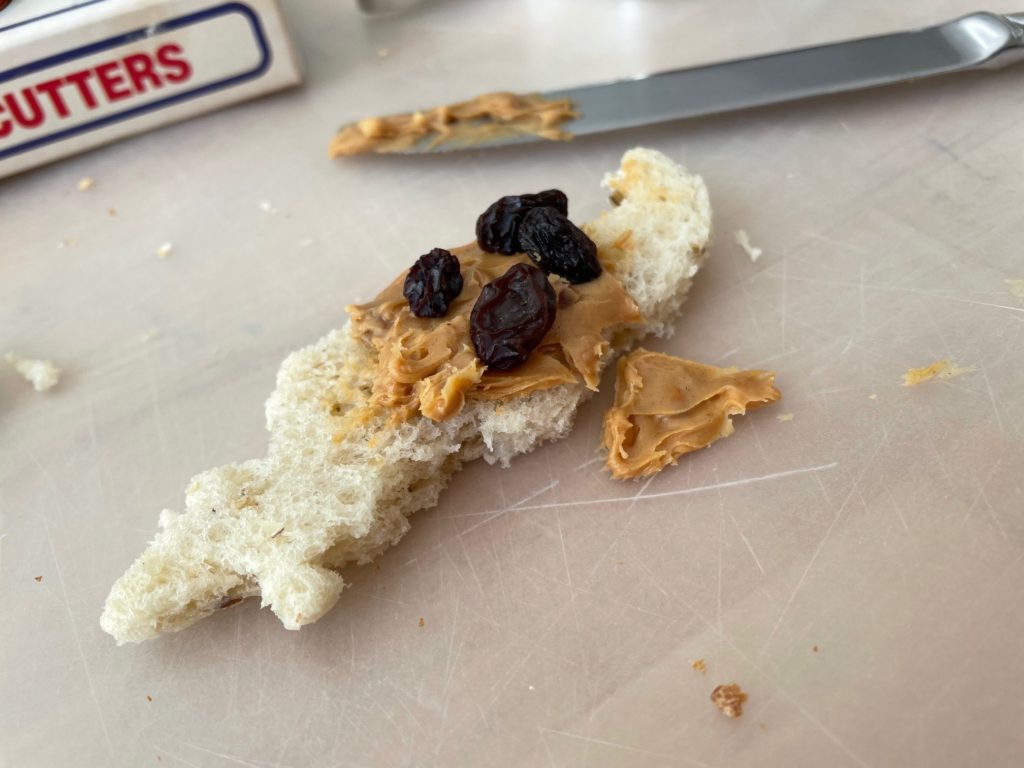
(428, 365)
(666, 406)
(484, 118)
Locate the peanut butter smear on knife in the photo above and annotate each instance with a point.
(480, 120)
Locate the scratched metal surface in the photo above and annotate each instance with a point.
(561, 610)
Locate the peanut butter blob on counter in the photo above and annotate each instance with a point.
(666, 406)
(481, 119)
(429, 365)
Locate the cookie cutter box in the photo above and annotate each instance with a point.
(75, 75)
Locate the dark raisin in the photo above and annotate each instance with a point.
(511, 316)
(497, 229)
(433, 283)
(559, 246)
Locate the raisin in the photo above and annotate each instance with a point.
(511, 316)
(559, 246)
(433, 283)
(497, 229)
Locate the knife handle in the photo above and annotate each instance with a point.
(1004, 33)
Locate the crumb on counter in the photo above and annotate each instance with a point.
(729, 699)
(422, 622)
(148, 697)
(266, 207)
(699, 666)
(151, 333)
(943, 369)
(38, 578)
(743, 240)
(41, 374)
(872, 396)
(383, 53)
(164, 250)
(111, 211)
(785, 417)
(815, 648)
(1016, 287)
(85, 184)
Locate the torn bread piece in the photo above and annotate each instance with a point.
(335, 490)
(666, 407)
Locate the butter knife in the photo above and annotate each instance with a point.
(977, 41)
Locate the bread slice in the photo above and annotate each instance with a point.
(285, 526)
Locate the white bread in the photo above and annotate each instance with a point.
(283, 527)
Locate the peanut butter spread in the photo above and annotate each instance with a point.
(666, 406)
(428, 365)
(484, 118)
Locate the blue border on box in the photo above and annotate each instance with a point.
(50, 15)
(130, 37)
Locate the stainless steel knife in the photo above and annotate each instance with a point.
(976, 41)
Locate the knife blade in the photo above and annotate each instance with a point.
(977, 41)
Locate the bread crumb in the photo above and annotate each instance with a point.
(148, 697)
(1016, 287)
(164, 250)
(532, 688)
(38, 578)
(785, 417)
(729, 699)
(762, 726)
(111, 211)
(743, 240)
(699, 666)
(41, 374)
(815, 648)
(872, 397)
(67, 242)
(85, 184)
(383, 53)
(305, 242)
(266, 207)
(422, 623)
(152, 332)
(943, 369)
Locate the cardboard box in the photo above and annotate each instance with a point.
(74, 75)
